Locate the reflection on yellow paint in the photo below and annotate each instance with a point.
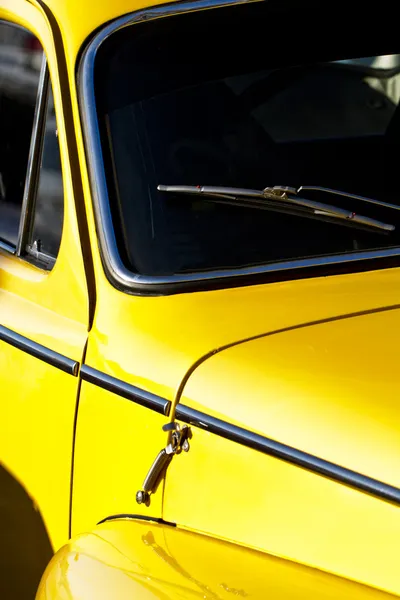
(135, 559)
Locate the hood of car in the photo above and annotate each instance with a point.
(329, 388)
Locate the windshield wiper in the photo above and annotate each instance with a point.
(281, 198)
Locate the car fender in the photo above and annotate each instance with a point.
(126, 557)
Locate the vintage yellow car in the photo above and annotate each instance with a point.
(199, 300)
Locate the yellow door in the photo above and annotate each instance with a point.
(44, 300)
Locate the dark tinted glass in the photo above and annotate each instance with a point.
(49, 211)
(248, 96)
(20, 62)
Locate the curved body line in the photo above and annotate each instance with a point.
(203, 358)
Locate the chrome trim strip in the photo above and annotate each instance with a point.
(131, 517)
(38, 351)
(45, 260)
(35, 154)
(118, 273)
(288, 454)
(126, 390)
(7, 247)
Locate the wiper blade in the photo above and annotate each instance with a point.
(323, 190)
(281, 198)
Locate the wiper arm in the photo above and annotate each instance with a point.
(281, 198)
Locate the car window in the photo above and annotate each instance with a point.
(48, 218)
(20, 62)
(31, 186)
(176, 108)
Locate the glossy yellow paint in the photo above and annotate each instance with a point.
(220, 488)
(133, 559)
(296, 387)
(311, 388)
(116, 443)
(38, 401)
(234, 493)
(152, 342)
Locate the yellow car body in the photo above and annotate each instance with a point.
(291, 486)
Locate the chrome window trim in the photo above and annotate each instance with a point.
(35, 155)
(116, 271)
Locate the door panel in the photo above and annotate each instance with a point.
(38, 406)
(49, 311)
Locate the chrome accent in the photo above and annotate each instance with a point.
(126, 390)
(7, 247)
(288, 454)
(136, 518)
(35, 154)
(45, 259)
(113, 265)
(38, 351)
(178, 441)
